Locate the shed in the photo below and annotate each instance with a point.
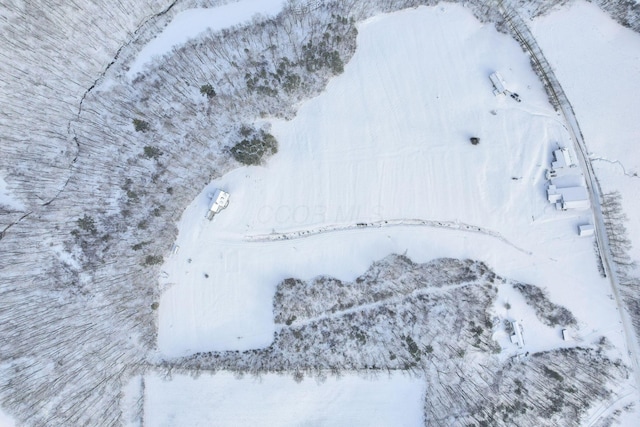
(499, 86)
(517, 337)
(585, 230)
(219, 201)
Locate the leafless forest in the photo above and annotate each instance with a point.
(103, 168)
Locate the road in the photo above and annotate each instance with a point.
(332, 228)
(552, 85)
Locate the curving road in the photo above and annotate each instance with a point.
(449, 225)
(523, 35)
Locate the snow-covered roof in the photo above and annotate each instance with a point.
(219, 201)
(573, 194)
(585, 230)
(498, 83)
(562, 159)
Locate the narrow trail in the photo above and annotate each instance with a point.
(373, 305)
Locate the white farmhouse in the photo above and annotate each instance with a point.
(219, 201)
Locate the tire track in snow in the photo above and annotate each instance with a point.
(618, 163)
(334, 228)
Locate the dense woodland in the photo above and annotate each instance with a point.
(104, 167)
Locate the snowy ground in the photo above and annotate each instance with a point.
(272, 400)
(598, 65)
(6, 420)
(7, 201)
(389, 140)
(192, 22)
(378, 146)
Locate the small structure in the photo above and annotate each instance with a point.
(475, 140)
(585, 230)
(499, 86)
(219, 201)
(565, 335)
(517, 337)
(568, 198)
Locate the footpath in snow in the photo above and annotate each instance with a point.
(389, 140)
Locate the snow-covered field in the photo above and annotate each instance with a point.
(6, 420)
(389, 140)
(7, 200)
(189, 23)
(272, 400)
(598, 65)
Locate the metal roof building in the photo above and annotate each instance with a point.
(498, 83)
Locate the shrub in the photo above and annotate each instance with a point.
(552, 374)
(151, 152)
(139, 246)
(153, 260)
(87, 223)
(141, 125)
(207, 90)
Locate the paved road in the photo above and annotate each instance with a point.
(522, 33)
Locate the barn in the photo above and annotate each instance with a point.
(569, 197)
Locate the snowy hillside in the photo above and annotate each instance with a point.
(389, 253)
(387, 141)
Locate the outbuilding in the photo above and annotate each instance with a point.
(499, 86)
(516, 337)
(585, 230)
